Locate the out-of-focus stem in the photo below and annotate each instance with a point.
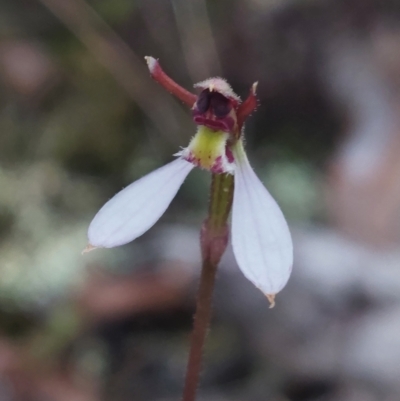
(197, 39)
(214, 238)
(126, 67)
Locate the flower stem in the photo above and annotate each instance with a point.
(200, 327)
(214, 238)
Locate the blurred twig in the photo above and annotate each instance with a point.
(128, 70)
(197, 39)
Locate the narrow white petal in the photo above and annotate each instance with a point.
(136, 208)
(261, 239)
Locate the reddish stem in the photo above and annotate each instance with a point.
(247, 107)
(169, 84)
(200, 328)
(213, 240)
(213, 244)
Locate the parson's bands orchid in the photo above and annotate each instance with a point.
(260, 236)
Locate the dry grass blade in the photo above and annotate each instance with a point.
(126, 67)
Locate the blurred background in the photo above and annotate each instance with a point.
(80, 118)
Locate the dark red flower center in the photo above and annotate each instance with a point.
(218, 104)
(213, 110)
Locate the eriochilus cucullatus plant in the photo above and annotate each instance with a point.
(260, 236)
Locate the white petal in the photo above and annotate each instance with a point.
(261, 238)
(136, 208)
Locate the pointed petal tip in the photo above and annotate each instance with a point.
(151, 63)
(271, 300)
(89, 248)
(254, 88)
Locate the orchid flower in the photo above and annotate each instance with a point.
(260, 236)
